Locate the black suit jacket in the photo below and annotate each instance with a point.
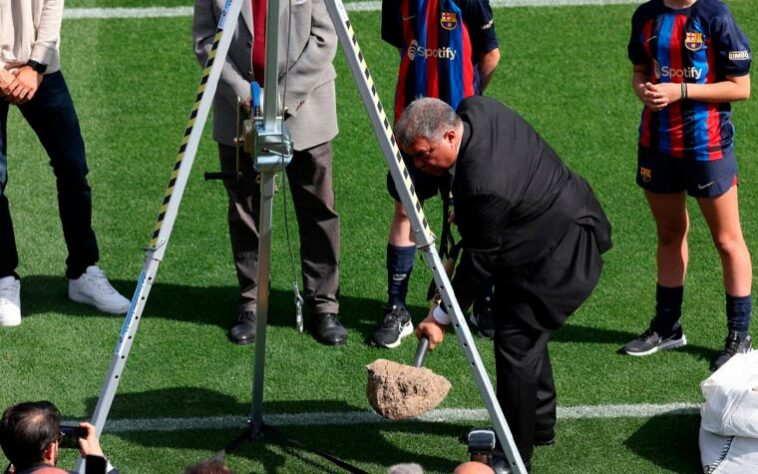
(524, 217)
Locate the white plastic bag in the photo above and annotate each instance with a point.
(731, 398)
(728, 454)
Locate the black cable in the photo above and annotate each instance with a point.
(284, 172)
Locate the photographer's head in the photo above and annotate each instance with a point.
(29, 434)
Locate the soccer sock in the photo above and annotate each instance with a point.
(399, 267)
(668, 309)
(738, 309)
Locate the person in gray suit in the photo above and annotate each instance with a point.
(306, 78)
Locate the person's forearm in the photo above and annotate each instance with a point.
(730, 90)
(639, 78)
(487, 64)
(313, 60)
(48, 32)
(204, 26)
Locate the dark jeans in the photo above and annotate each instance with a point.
(52, 116)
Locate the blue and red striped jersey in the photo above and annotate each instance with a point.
(700, 44)
(440, 42)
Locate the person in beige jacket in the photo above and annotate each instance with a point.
(306, 80)
(30, 79)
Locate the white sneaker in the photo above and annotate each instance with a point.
(10, 301)
(93, 288)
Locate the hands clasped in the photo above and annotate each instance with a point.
(18, 86)
(659, 96)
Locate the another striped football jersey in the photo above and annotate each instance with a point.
(440, 42)
(699, 45)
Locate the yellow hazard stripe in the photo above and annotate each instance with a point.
(388, 132)
(185, 140)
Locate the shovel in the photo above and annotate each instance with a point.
(398, 392)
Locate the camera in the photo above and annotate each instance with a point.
(481, 444)
(70, 436)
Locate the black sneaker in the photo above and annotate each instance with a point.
(395, 326)
(735, 343)
(651, 342)
(482, 318)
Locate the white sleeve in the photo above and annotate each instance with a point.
(48, 33)
(441, 316)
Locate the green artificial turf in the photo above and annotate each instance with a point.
(617, 446)
(134, 81)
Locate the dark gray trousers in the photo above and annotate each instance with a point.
(309, 176)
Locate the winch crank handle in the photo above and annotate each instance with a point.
(299, 312)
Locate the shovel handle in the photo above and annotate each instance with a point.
(423, 347)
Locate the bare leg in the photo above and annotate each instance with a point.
(400, 228)
(723, 218)
(672, 223)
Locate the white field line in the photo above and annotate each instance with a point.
(149, 12)
(161, 12)
(365, 417)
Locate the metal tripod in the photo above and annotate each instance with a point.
(273, 152)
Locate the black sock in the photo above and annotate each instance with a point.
(668, 309)
(738, 309)
(399, 267)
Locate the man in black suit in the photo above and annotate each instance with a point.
(529, 224)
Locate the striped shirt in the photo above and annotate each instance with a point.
(440, 42)
(700, 44)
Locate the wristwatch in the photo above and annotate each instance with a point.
(40, 68)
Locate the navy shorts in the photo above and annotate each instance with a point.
(665, 174)
(426, 185)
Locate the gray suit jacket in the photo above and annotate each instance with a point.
(306, 68)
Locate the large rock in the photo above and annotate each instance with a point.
(397, 391)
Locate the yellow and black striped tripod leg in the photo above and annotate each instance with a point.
(168, 210)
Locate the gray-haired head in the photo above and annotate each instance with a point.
(426, 118)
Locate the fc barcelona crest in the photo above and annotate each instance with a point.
(646, 174)
(693, 41)
(448, 20)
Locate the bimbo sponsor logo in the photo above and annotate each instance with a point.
(739, 55)
(442, 53)
(670, 72)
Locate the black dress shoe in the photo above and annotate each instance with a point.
(545, 438)
(328, 330)
(243, 331)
